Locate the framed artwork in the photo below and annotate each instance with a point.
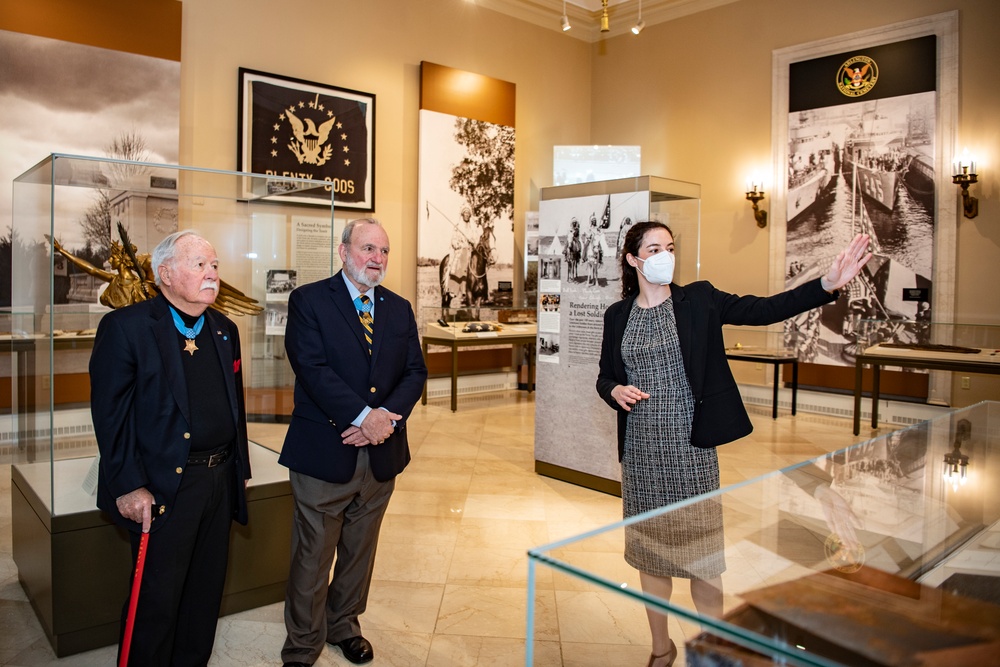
(294, 128)
(863, 132)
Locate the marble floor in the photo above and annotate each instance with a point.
(450, 581)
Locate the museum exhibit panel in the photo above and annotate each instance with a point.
(882, 553)
(920, 346)
(582, 229)
(72, 561)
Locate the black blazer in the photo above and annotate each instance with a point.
(701, 310)
(335, 379)
(140, 406)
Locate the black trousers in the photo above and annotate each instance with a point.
(184, 573)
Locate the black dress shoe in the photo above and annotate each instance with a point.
(297, 664)
(356, 649)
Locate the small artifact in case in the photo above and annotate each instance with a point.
(476, 327)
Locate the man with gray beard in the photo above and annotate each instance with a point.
(359, 371)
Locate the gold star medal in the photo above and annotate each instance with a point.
(189, 333)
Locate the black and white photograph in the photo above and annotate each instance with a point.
(587, 236)
(531, 236)
(106, 104)
(551, 270)
(465, 235)
(548, 348)
(279, 284)
(301, 129)
(864, 164)
(275, 318)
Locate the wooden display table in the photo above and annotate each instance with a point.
(876, 356)
(776, 358)
(454, 337)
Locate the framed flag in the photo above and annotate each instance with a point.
(294, 128)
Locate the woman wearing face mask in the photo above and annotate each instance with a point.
(664, 369)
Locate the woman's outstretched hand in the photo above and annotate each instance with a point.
(847, 264)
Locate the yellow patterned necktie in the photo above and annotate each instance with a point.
(364, 305)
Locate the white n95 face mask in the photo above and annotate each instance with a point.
(658, 268)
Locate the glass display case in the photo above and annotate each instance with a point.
(883, 553)
(757, 340)
(928, 336)
(74, 219)
(921, 346)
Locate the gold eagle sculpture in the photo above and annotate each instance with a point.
(130, 279)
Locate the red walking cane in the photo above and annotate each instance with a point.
(133, 601)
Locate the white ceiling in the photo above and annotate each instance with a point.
(585, 15)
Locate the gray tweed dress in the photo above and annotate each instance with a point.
(660, 466)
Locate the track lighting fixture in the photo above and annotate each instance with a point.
(565, 19)
(640, 24)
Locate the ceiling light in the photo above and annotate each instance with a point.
(565, 19)
(640, 24)
(604, 17)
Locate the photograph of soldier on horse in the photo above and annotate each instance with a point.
(463, 271)
(573, 252)
(587, 246)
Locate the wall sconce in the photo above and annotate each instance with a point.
(965, 175)
(956, 464)
(753, 196)
(565, 19)
(604, 16)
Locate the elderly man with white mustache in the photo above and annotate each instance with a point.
(169, 415)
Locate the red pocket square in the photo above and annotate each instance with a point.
(236, 366)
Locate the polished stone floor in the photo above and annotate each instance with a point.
(450, 581)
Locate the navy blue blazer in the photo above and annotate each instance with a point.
(335, 378)
(141, 409)
(701, 310)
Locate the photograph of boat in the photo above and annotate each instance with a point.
(813, 164)
(880, 156)
(875, 169)
(918, 177)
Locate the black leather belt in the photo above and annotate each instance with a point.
(210, 460)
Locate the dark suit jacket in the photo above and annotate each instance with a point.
(701, 310)
(335, 379)
(140, 406)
